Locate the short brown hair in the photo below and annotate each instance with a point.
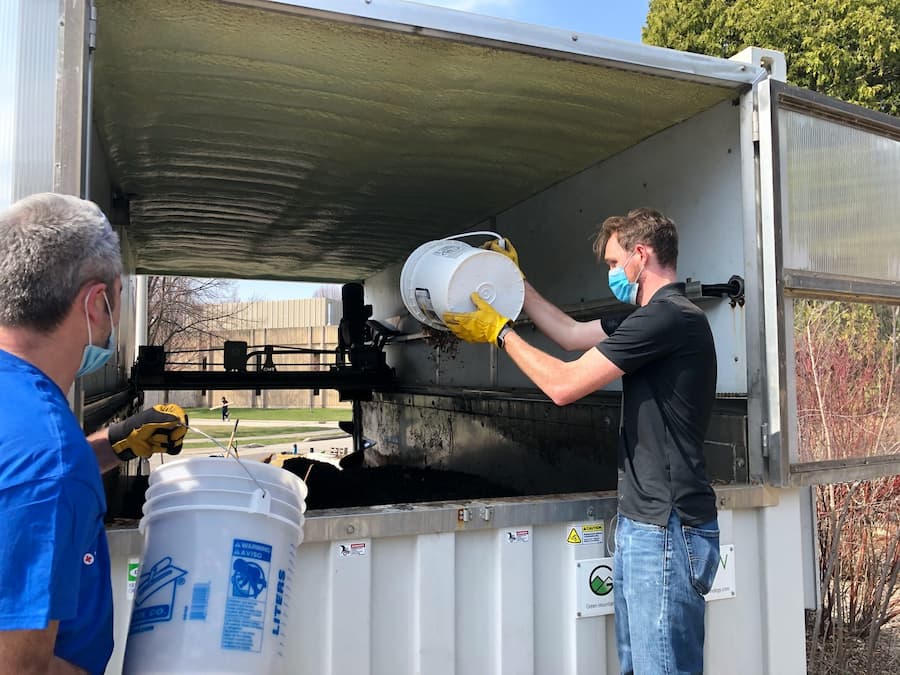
(641, 226)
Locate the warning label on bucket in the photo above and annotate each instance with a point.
(423, 300)
(245, 608)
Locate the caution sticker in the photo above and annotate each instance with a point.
(352, 549)
(132, 578)
(517, 536)
(590, 533)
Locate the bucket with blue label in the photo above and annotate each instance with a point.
(214, 587)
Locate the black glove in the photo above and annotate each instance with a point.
(157, 429)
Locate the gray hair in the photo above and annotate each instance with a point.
(50, 246)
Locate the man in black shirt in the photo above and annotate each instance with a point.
(667, 536)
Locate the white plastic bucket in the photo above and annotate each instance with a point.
(440, 276)
(214, 588)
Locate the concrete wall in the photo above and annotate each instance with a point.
(309, 337)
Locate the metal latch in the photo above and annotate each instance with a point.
(92, 27)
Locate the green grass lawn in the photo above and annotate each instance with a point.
(255, 435)
(286, 414)
(221, 432)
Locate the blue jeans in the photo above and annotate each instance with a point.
(660, 576)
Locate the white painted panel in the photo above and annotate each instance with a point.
(515, 599)
(351, 606)
(554, 605)
(124, 548)
(434, 609)
(393, 620)
(691, 172)
(473, 602)
(311, 616)
(476, 606)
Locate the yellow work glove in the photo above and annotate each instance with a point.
(509, 251)
(482, 325)
(157, 429)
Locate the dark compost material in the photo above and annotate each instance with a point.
(332, 488)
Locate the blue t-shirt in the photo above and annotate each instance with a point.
(54, 560)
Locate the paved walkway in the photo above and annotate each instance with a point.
(260, 423)
(327, 445)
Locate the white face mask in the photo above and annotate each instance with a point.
(94, 357)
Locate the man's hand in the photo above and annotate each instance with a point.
(157, 429)
(506, 249)
(482, 325)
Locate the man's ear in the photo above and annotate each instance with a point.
(92, 293)
(644, 252)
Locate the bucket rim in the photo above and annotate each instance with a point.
(248, 495)
(174, 483)
(259, 470)
(148, 517)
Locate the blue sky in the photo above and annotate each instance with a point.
(621, 19)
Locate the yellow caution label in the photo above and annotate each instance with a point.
(573, 537)
(592, 528)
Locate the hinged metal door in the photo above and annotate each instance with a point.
(830, 230)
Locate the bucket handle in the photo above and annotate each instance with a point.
(479, 233)
(230, 453)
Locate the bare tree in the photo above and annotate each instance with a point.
(328, 291)
(181, 310)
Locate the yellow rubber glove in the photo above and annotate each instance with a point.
(482, 325)
(157, 429)
(510, 251)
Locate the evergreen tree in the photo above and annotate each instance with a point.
(849, 49)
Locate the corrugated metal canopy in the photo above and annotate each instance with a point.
(257, 140)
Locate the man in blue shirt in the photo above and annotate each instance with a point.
(60, 283)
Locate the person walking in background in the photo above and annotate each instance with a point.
(225, 415)
(667, 534)
(60, 283)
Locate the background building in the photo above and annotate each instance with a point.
(301, 324)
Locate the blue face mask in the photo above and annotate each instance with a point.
(624, 290)
(94, 357)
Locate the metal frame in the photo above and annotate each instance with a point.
(804, 284)
(485, 514)
(442, 23)
(782, 285)
(71, 97)
(753, 289)
(387, 521)
(774, 418)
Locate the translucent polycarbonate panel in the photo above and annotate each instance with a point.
(842, 198)
(847, 367)
(9, 42)
(28, 59)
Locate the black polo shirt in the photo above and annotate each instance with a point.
(666, 350)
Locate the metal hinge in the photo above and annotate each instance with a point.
(764, 437)
(755, 122)
(92, 28)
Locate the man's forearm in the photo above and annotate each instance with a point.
(563, 381)
(565, 331)
(106, 456)
(60, 666)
